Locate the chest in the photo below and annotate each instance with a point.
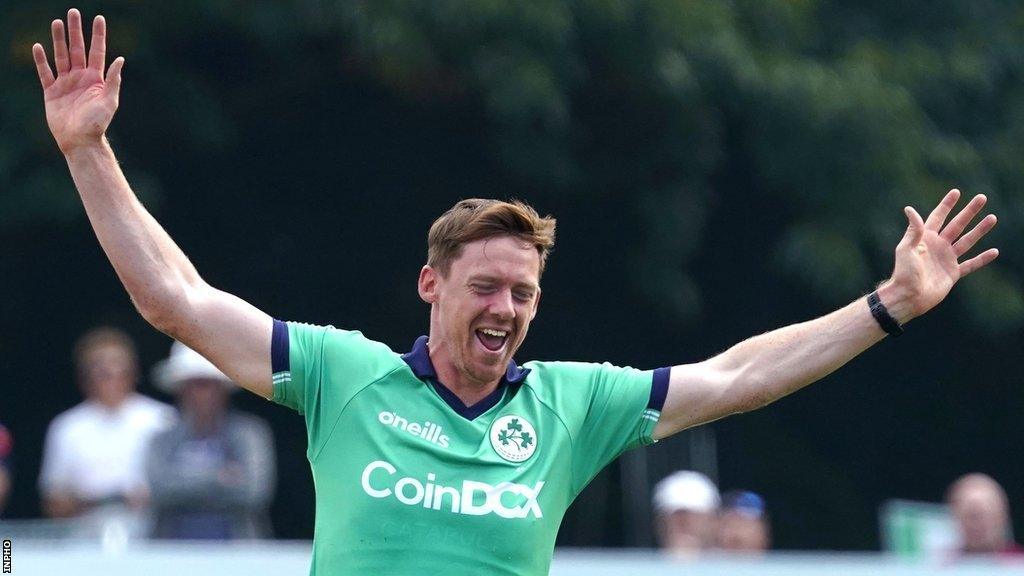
(403, 443)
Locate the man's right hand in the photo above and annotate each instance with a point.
(80, 101)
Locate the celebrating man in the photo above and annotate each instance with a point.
(452, 458)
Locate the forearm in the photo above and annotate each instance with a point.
(767, 367)
(154, 271)
(764, 368)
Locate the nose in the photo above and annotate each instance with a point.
(503, 306)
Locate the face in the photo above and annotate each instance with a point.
(982, 516)
(204, 399)
(684, 530)
(481, 311)
(109, 374)
(742, 532)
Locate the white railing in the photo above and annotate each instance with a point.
(81, 558)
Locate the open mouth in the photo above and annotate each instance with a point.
(491, 339)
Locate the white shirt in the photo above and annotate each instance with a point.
(93, 452)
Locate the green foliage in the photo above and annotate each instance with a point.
(681, 108)
(840, 114)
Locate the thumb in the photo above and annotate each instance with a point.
(915, 226)
(113, 79)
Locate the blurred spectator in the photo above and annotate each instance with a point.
(686, 504)
(982, 512)
(743, 523)
(6, 448)
(212, 474)
(93, 460)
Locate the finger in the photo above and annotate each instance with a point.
(978, 262)
(915, 226)
(98, 44)
(967, 241)
(113, 79)
(42, 66)
(959, 223)
(938, 215)
(60, 47)
(76, 41)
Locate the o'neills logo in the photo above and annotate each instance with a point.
(428, 430)
(506, 499)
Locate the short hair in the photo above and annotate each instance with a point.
(101, 337)
(476, 219)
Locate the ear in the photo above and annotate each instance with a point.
(428, 284)
(536, 305)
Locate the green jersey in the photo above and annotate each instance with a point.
(410, 481)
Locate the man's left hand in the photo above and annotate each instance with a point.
(928, 257)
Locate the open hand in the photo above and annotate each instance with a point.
(80, 100)
(928, 257)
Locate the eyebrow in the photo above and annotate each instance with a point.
(497, 280)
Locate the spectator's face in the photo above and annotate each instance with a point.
(493, 285)
(742, 532)
(109, 373)
(204, 399)
(684, 530)
(981, 513)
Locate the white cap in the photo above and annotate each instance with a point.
(185, 364)
(686, 490)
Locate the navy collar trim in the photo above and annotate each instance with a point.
(418, 360)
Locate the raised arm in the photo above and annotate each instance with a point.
(80, 103)
(765, 368)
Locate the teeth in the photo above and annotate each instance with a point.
(490, 332)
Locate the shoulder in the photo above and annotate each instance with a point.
(353, 342)
(76, 416)
(6, 443)
(544, 375)
(148, 412)
(336, 344)
(561, 385)
(247, 423)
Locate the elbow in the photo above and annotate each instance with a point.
(165, 309)
(751, 391)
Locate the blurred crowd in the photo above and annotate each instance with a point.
(122, 461)
(203, 470)
(693, 518)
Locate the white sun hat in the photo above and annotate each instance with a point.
(185, 364)
(686, 490)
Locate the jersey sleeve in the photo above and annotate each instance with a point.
(318, 369)
(622, 407)
(6, 447)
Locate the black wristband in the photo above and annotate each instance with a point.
(881, 315)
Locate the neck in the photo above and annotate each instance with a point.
(468, 389)
(112, 403)
(204, 424)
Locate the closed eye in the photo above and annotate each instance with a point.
(523, 296)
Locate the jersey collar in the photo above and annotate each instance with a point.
(418, 360)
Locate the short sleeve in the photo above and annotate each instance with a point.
(623, 406)
(6, 447)
(296, 352)
(318, 369)
(54, 476)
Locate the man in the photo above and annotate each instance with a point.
(982, 512)
(452, 458)
(94, 454)
(212, 475)
(6, 448)
(743, 523)
(686, 504)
